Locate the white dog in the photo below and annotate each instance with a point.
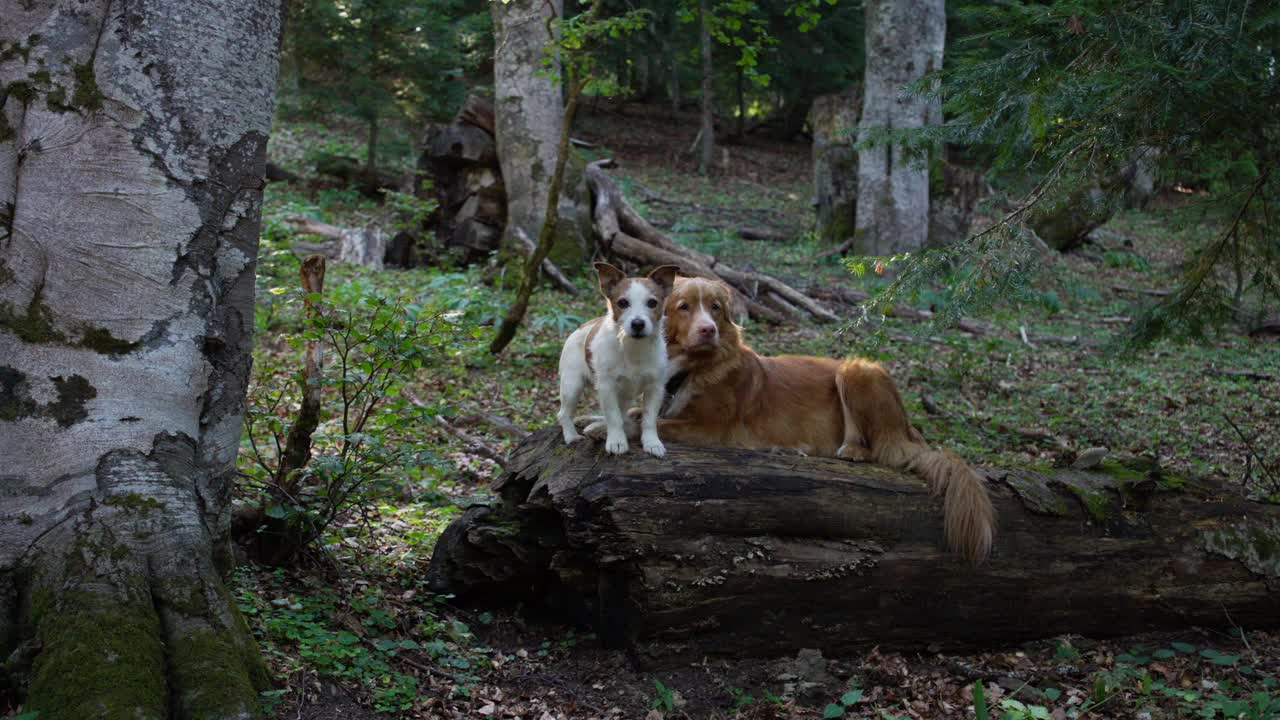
(623, 352)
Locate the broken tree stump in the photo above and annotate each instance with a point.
(730, 552)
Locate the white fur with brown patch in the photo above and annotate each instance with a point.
(624, 354)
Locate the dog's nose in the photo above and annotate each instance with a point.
(637, 325)
(707, 331)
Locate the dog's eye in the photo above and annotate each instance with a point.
(652, 303)
(715, 307)
(683, 306)
(624, 303)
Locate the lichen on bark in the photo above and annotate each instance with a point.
(124, 333)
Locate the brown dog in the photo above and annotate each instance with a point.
(850, 409)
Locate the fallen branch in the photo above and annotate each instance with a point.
(1141, 291)
(549, 268)
(768, 234)
(840, 249)
(621, 231)
(1275, 484)
(1245, 374)
(359, 246)
(472, 442)
(497, 422)
(857, 297)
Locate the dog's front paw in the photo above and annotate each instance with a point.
(571, 437)
(616, 444)
(653, 446)
(595, 430)
(855, 453)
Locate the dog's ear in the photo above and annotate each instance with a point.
(610, 276)
(664, 277)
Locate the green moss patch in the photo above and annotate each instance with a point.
(100, 658)
(102, 341)
(73, 393)
(209, 671)
(1095, 502)
(1034, 491)
(134, 502)
(86, 96)
(36, 326)
(15, 395)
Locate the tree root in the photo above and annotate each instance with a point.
(125, 615)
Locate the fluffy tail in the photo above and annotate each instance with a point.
(969, 519)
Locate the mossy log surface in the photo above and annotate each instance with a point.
(732, 552)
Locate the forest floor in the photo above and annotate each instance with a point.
(354, 633)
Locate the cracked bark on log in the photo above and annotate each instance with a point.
(133, 180)
(727, 552)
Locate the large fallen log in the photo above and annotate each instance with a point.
(728, 552)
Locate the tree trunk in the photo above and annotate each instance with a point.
(722, 552)
(904, 41)
(133, 172)
(642, 84)
(740, 127)
(708, 147)
(834, 121)
(528, 107)
(546, 235)
(674, 90)
(371, 148)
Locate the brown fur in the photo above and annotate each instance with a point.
(825, 407)
(614, 285)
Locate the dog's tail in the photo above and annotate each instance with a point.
(877, 421)
(969, 518)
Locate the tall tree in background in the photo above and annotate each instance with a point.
(528, 107)
(1074, 91)
(378, 60)
(132, 149)
(904, 41)
(707, 148)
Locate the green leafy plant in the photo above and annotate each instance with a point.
(307, 628)
(374, 344)
(1017, 710)
(666, 699)
(740, 698)
(408, 211)
(845, 701)
(980, 711)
